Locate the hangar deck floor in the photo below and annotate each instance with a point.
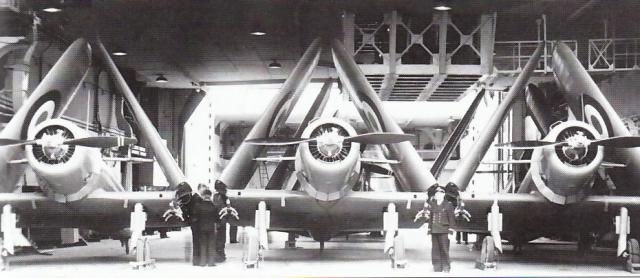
(360, 255)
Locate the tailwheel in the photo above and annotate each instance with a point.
(487, 254)
(632, 260)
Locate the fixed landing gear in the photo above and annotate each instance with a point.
(321, 246)
(255, 238)
(628, 249)
(488, 255)
(291, 241)
(632, 260)
(393, 240)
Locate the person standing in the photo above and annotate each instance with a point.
(206, 216)
(194, 222)
(441, 220)
(220, 202)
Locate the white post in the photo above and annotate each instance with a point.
(8, 229)
(494, 221)
(623, 228)
(262, 222)
(390, 226)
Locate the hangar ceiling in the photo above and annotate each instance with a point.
(209, 41)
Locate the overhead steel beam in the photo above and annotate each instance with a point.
(443, 22)
(391, 76)
(242, 165)
(470, 161)
(410, 171)
(431, 87)
(166, 161)
(487, 42)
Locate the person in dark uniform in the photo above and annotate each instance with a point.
(204, 217)
(195, 233)
(220, 202)
(441, 220)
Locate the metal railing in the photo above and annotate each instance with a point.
(511, 56)
(614, 54)
(372, 39)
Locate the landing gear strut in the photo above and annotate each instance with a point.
(627, 248)
(632, 261)
(488, 254)
(256, 237)
(393, 241)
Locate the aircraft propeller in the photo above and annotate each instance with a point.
(616, 142)
(367, 138)
(92, 141)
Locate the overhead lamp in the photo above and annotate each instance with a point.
(119, 52)
(161, 79)
(442, 6)
(275, 65)
(52, 9)
(257, 30)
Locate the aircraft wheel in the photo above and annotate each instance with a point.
(488, 252)
(633, 257)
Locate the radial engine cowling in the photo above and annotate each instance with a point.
(66, 172)
(328, 167)
(564, 173)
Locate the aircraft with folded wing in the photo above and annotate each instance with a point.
(77, 187)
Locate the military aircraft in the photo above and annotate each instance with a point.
(556, 196)
(77, 188)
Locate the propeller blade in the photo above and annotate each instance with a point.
(526, 144)
(373, 168)
(101, 141)
(277, 141)
(619, 142)
(380, 138)
(11, 142)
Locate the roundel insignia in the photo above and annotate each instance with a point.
(46, 107)
(594, 119)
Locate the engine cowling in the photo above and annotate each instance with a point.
(564, 173)
(65, 172)
(328, 167)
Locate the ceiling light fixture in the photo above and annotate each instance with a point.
(257, 30)
(119, 52)
(52, 9)
(161, 79)
(275, 65)
(442, 6)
